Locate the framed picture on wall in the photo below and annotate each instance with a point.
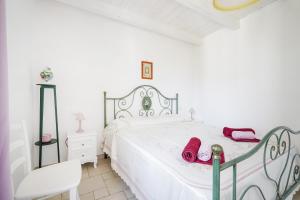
(147, 70)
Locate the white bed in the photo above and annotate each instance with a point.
(146, 153)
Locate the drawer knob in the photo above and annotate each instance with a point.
(82, 155)
(82, 144)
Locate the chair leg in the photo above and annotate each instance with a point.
(74, 194)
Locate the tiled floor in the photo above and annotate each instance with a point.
(100, 183)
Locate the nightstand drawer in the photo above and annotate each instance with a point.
(85, 154)
(82, 143)
(83, 146)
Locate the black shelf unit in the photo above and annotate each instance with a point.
(52, 141)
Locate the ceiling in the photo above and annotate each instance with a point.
(185, 20)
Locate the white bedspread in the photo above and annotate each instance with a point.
(148, 158)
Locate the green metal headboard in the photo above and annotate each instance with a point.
(284, 186)
(144, 95)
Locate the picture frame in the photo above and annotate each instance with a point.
(147, 70)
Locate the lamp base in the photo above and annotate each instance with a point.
(80, 130)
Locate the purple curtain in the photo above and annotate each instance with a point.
(5, 192)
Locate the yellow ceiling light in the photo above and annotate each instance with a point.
(219, 6)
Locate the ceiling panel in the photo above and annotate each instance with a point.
(186, 20)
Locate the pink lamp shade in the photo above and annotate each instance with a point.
(79, 116)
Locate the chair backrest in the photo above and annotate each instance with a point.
(20, 158)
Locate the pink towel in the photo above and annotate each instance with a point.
(191, 149)
(228, 132)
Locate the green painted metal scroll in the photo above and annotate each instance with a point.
(143, 95)
(276, 143)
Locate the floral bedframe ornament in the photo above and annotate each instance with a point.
(46, 74)
(146, 103)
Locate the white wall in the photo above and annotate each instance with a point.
(88, 54)
(250, 77)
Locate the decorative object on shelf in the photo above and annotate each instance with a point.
(192, 112)
(79, 117)
(229, 5)
(46, 74)
(41, 143)
(83, 147)
(46, 137)
(147, 70)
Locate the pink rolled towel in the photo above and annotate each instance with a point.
(190, 153)
(191, 149)
(239, 137)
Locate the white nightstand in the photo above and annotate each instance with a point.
(83, 146)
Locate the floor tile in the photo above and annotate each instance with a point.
(87, 165)
(103, 161)
(116, 196)
(297, 196)
(85, 173)
(101, 169)
(88, 196)
(109, 175)
(103, 192)
(65, 196)
(115, 185)
(91, 184)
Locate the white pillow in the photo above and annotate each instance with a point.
(121, 123)
(116, 125)
(140, 121)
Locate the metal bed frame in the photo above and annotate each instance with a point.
(146, 95)
(282, 135)
(282, 146)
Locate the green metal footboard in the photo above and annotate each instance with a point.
(276, 144)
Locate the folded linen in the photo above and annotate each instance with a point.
(204, 153)
(210, 161)
(190, 152)
(191, 149)
(227, 132)
(243, 135)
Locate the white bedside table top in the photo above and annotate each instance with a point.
(84, 134)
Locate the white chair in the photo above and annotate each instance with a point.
(40, 183)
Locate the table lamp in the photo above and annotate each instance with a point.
(192, 111)
(79, 117)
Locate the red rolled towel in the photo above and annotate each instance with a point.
(227, 132)
(190, 151)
